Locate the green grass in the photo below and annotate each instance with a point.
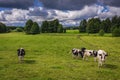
(48, 58)
(72, 31)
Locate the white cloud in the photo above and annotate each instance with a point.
(112, 12)
(14, 23)
(115, 11)
(70, 22)
(2, 16)
(17, 15)
(87, 11)
(39, 14)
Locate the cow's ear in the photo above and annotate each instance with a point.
(106, 55)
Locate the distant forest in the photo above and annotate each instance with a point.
(90, 26)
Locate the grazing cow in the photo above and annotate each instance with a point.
(87, 53)
(75, 52)
(78, 52)
(101, 54)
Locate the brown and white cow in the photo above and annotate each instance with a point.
(87, 53)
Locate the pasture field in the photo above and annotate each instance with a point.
(48, 57)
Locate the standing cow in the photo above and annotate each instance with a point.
(101, 56)
(21, 54)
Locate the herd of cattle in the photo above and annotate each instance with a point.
(99, 55)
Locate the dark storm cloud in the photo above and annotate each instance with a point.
(69, 12)
(115, 3)
(24, 4)
(76, 4)
(56, 4)
(67, 4)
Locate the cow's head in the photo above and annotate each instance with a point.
(106, 54)
(95, 53)
(73, 50)
(103, 57)
(83, 49)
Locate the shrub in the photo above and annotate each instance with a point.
(19, 30)
(101, 32)
(116, 32)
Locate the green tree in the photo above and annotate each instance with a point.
(44, 27)
(56, 24)
(50, 26)
(83, 25)
(115, 22)
(3, 28)
(35, 28)
(90, 26)
(93, 25)
(28, 26)
(60, 29)
(108, 25)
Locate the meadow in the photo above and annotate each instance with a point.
(48, 57)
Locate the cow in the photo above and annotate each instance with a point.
(87, 53)
(21, 54)
(100, 57)
(78, 52)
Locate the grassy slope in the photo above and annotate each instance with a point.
(48, 58)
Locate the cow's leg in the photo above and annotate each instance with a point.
(86, 57)
(95, 59)
(99, 63)
(78, 55)
(73, 56)
(83, 57)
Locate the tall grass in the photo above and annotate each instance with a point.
(48, 57)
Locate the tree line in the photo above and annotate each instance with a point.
(47, 27)
(52, 27)
(95, 25)
(33, 28)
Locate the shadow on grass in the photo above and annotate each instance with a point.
(110, 66)
(1, 58)
(29, 61)
(56, 67)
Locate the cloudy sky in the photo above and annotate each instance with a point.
(69, 12)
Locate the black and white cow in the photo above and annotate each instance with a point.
(21, 54)
(88, 53)
(100, 56)
(78, 52)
